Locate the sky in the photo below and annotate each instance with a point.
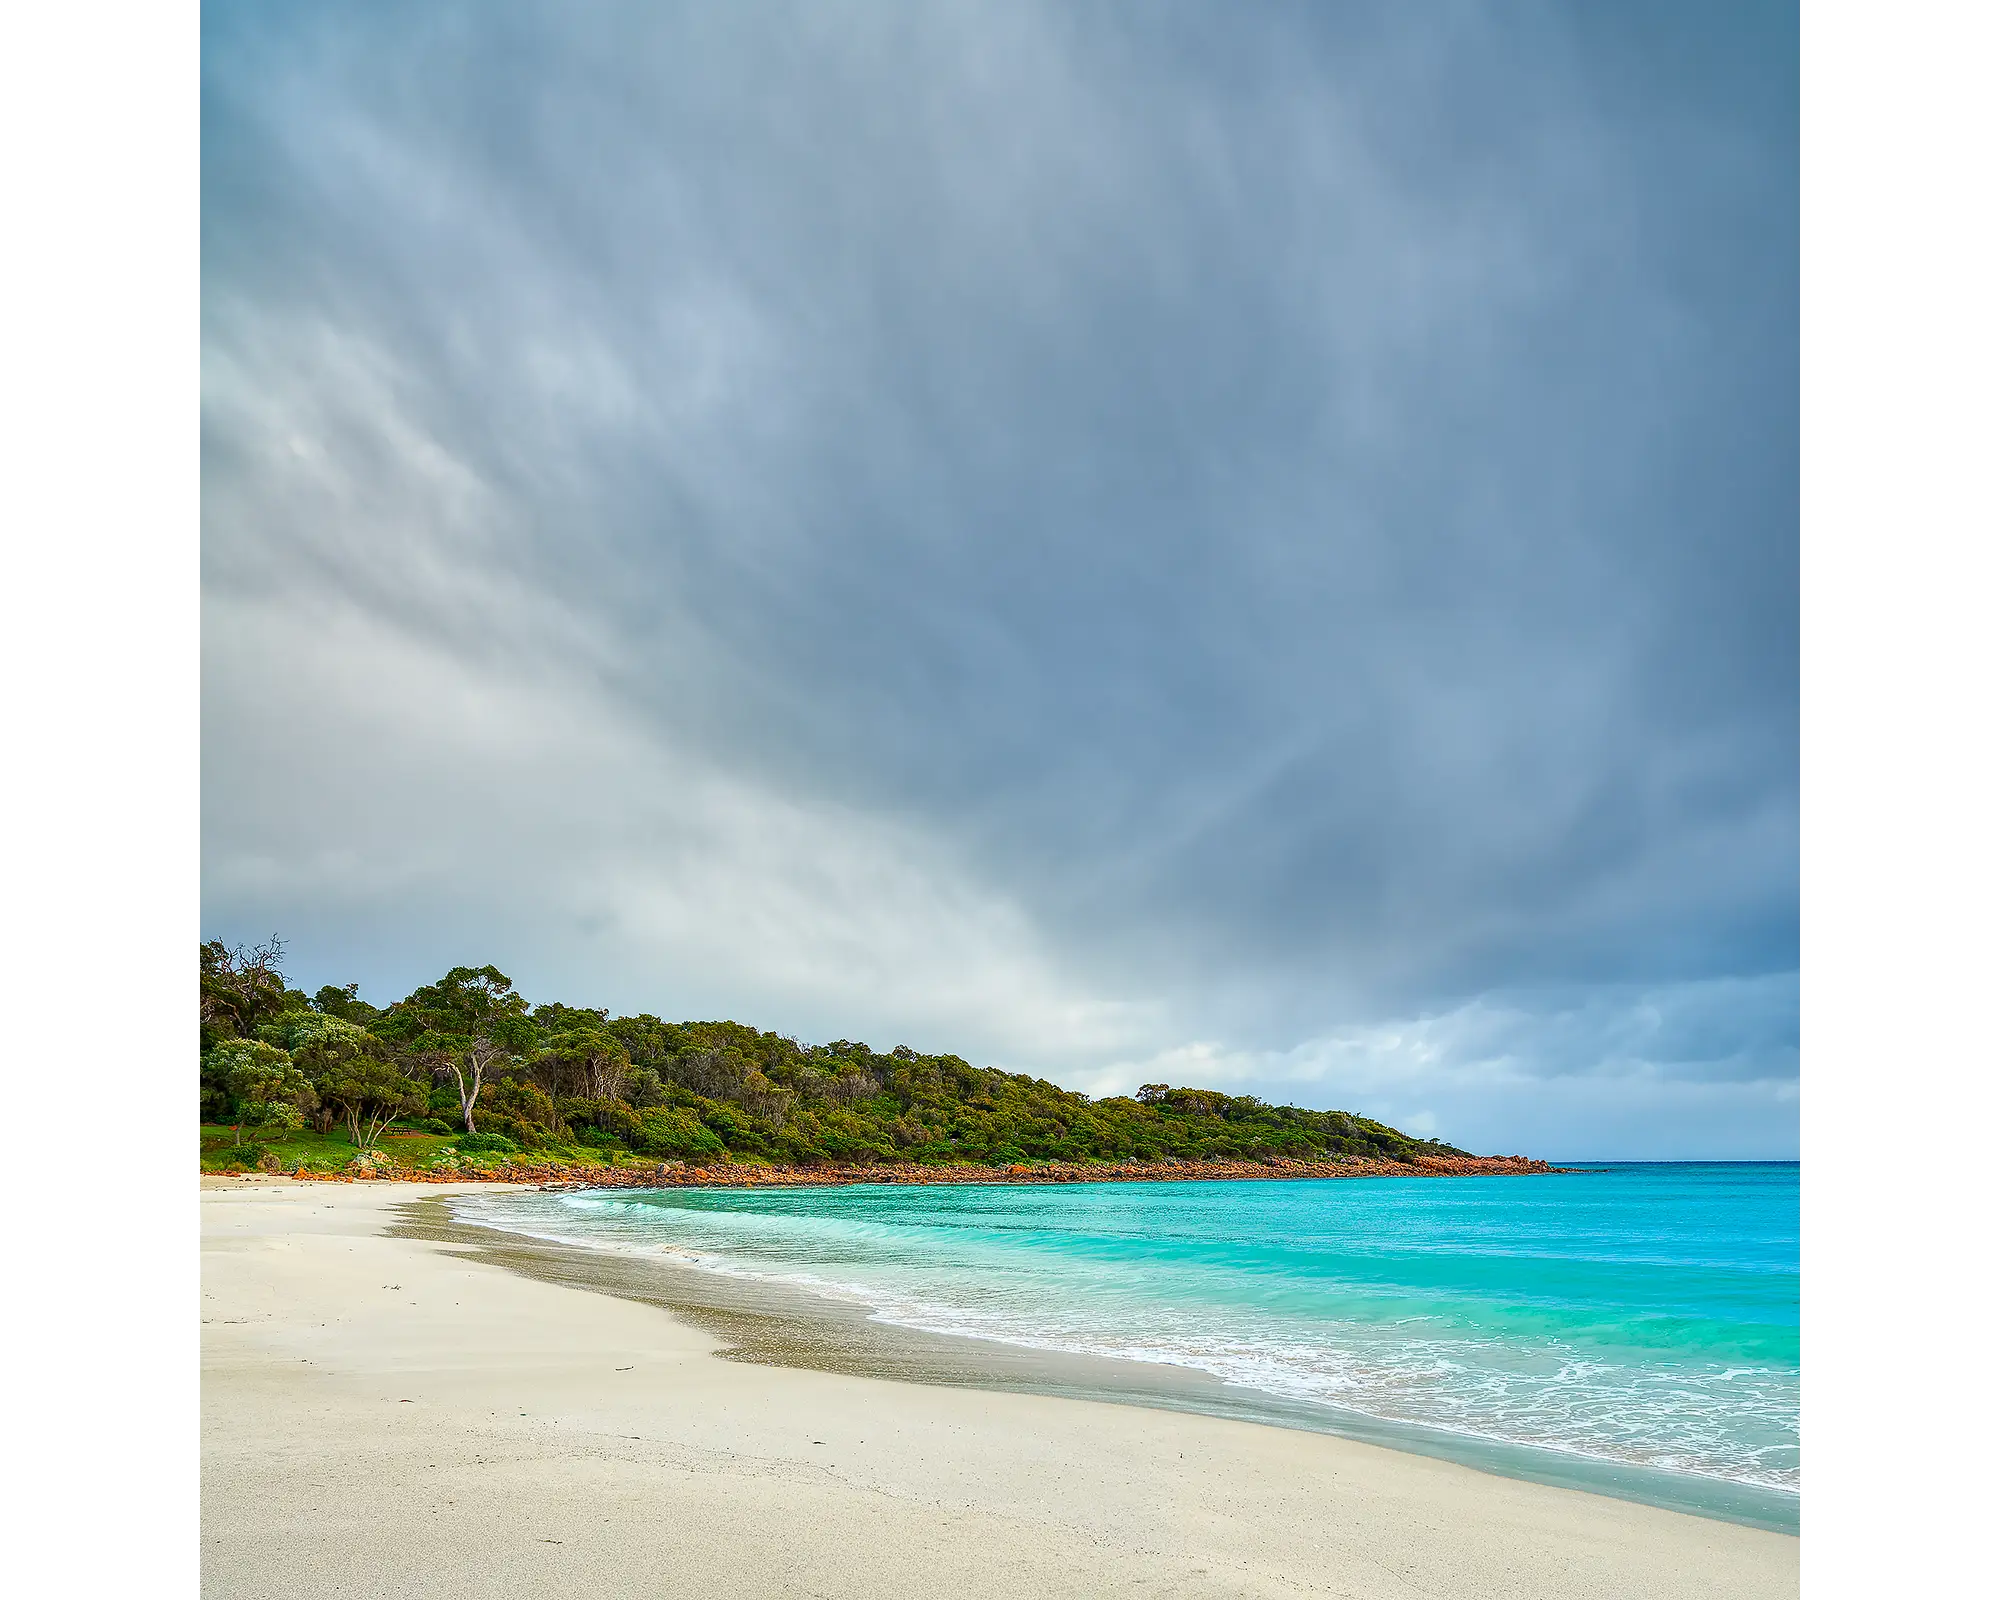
(1242, 546)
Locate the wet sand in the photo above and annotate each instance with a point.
(780, 1324)
(389, 1409)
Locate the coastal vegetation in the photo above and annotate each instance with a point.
(465, 1072)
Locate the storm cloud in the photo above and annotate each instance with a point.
(1121, 541)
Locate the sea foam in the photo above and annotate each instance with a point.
(1644, 1315)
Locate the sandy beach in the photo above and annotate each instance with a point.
(383, 1417)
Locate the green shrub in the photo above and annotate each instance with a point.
(598, 1122)
(482, 1143)
(673, 1134)
(518, 1100)
(505, 1127)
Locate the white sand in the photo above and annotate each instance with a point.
(380, 1419)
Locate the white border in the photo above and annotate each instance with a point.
(99, 137)
(1899, 958)
(99, 166)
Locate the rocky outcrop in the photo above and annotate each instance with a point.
(729, 1175)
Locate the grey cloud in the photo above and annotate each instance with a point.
(1707, 1069)
(1293, 511)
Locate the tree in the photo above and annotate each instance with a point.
(585, 1062)
(262, 1086)
(345, 1003)
(468, 1023)
(688, 1088)
(370, 1093)
(301, 1031)
(241, 985)
(524, 1102)
(326, 1049)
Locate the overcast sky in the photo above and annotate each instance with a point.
(1242, 545)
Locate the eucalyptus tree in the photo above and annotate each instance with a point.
(369, 1092)
(583, 1061)
(470, 1023)
(348, 1067)
(259, 1084)
(241, 985)
(346, 1003)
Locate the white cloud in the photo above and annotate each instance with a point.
(535, 822)
(1609, 1072)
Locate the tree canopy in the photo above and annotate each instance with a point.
(257, 1084)
(467, 1054)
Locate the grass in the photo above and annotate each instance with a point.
(325, 1152)
(330, 1152)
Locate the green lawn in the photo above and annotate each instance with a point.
(322, 1151)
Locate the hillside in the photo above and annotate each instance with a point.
(294, 1079)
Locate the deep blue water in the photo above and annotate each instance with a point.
(1645, 1316)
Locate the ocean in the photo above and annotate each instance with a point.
(1634, 1328)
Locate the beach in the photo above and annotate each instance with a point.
(383, 1416)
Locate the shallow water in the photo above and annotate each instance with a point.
(1644, 1317)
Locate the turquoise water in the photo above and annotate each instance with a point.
(1642, 1316)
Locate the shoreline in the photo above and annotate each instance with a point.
(774, 1321)
(392, 1415)
(732, 1175)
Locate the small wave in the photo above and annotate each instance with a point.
(1735, 1423)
